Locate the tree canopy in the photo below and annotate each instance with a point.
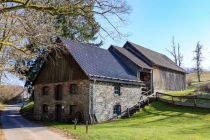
(28, 26)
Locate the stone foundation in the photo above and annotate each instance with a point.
(93, 99)
(80, 100)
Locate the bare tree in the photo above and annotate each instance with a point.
(44, 12)
(176, 53)
(29, 25)
(198, 60)
(179, 56)
(173, 50)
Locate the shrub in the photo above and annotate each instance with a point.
(189, 82)
(28, 110)
(204, 87)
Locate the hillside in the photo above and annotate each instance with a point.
(204, 77)
(10, 93)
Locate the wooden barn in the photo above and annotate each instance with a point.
(94, 84)
(158, 72)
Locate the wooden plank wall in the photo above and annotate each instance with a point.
(168, 80)
(63, 68)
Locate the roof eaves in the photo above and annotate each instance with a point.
(182, 71)
(104, 78)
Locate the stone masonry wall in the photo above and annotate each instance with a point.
(81, 99)
(104, 99)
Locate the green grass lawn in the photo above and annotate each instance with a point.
(158, 121)
(192, 90)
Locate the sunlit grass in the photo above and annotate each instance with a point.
(155, 122)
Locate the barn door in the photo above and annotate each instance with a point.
(58, 112)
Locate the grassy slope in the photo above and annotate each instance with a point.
(204, 77)
(156, 122)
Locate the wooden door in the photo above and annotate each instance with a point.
(58, 112)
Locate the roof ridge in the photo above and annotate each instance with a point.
(86, 44)
(145, 48)
(156, 57)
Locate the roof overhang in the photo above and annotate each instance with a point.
(115, 80)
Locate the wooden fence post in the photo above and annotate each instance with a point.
(156, 96)
(172, 99)
(128, 112)
(86, 127)
(75, 124)
(194, 99)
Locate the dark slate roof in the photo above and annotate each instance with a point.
(132, 57)
(98, 62)
(157, 58)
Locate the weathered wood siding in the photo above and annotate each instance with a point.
(166, 80)
(63, 68)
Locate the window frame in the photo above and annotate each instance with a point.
(45, 90)
(58, 92)
(117, 109)
(71, 111)
(117, 89)
(45, 109)
(73, 89)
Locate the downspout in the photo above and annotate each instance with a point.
(91, 102)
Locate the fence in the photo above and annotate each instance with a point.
(192, 100)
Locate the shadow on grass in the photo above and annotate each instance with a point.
(169, 111)
(148, 115)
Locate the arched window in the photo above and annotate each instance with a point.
(117, 109)
(44, 108)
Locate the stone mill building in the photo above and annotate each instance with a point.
(94, 84)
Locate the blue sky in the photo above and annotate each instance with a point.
(152, 23)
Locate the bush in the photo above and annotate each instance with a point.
(28, 110)
(189, 82)
(204, 87)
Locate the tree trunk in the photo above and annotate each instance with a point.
(199, 76)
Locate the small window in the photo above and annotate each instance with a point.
(58, 92)
(73, 89)
(45, 90)
(72, 109)
(117, 109)
(45, 108)
(117, 90)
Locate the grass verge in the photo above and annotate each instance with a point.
(158, 121)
